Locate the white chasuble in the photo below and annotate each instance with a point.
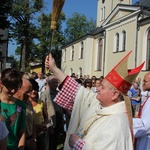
(101, 128)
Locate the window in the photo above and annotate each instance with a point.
(64, 55)
(104, 13)
(99, 55)
(80, 72)
(72, 53)
(71, 71)
(123, 40)
(101, 14)
(117, 42)
(148, 52)
(81, 52)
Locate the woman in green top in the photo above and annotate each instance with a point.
(12, 109)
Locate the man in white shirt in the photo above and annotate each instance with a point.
(141, 125)
(41, 82)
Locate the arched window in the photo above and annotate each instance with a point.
(117, 42)
(101, 14)
(71, 71)
(80, 72)
(82, 49)
(72, 53)
(148, 52)
(104, 13)
(123, 40)
(99, 55)
(103, 1)
(64, 55)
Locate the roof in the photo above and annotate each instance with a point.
(96, 31)
(92, 33)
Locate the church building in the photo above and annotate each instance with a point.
(121, 27)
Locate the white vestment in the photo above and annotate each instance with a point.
(141, 128)
(107, 128)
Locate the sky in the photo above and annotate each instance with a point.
(85, 7)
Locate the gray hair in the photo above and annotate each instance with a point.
(120, 97)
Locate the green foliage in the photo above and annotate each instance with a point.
(23, 28)
(15, 63)
(5, 7)
(78, 26)
(44, 35)
(38, 4)
(33, 33)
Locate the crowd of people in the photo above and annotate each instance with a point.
(97, 113)
(30, 119)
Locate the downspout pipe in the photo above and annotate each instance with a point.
(136, 38)
(104, 53)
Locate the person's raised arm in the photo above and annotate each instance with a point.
(51, 65)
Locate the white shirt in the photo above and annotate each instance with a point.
(42, 84)
(141, 128)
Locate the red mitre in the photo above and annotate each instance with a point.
(120, 77)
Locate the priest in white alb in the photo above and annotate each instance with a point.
(102, 120)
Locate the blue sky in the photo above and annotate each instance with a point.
(86, 7)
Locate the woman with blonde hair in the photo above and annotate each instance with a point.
(41, 117)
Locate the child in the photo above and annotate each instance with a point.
(12, 110)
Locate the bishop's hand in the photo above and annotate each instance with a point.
(72, 140)
(50, 62)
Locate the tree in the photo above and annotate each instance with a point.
(23, 26)
(4, 23)
(5, 8)
(73, 29)
(34, 36)
(44, 35)
(78, 26)
(14, 62)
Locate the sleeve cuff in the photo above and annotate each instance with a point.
(61, 85)
(66, 96)
(79, 144)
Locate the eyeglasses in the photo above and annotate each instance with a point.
(145, 81)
